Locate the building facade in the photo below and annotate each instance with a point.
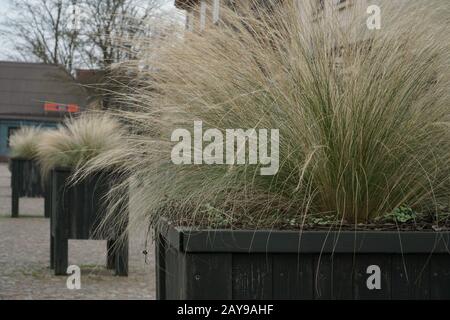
(35, 94)
(201, 13)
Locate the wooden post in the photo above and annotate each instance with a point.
(15, 185)
(121, 232)
(48, 214)
(47, 197)
(52, 251)
(111, 254)
(60, 216)
(160, 267)
(122, 256)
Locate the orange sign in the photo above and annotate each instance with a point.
(58, 107)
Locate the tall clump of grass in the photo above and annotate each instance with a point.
(78, 140)
(24, 142)
(363, 115)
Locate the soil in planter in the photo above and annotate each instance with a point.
(402, 219)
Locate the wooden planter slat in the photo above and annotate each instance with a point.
(77, 210)
(26, 181)
(440, 277)
(266, 241)
(224, 264)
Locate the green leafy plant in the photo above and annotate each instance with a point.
(217, 218)
(402, 214)
(321, 220)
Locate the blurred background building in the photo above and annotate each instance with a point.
(35, 94)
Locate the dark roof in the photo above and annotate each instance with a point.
(89, 77)
(26, 87)
(93, 81)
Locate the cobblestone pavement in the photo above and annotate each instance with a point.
(24, 259)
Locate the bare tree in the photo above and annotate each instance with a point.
(44, 30)
(111, 32)
(89, 34)
(79, 33)
(110, 27)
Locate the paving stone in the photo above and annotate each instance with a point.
(25, 258)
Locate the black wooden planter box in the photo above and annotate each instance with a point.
(224, 264)
(26, 181)
(76, 211)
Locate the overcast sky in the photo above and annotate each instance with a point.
(5, 46)
(5, 10)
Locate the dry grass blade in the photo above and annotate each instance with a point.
(24, 142)
(78, 140)
(363, 116)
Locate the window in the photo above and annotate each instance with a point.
(318, 9)
(216, 11)
(341, 4)
(320, 5)
(190, 21)
(202, 15)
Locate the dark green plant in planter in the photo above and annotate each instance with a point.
(362, 118)
(26, 179)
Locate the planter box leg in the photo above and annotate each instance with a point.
(122, 257)
(60, 221)
(47, 205)
(52, 252)
(61, 248)
(16, 176)
(111, 255)
(160, 272)
(48, 196)
(121, 247)
(15, 203)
